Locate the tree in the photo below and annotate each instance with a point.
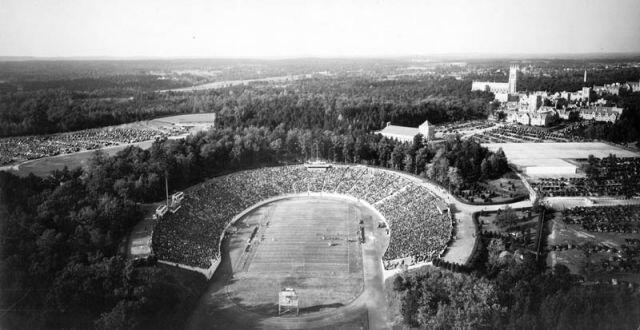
(499, 163)
(408, 163)
(422, 158)
(397, 156)
(418, 143)
(574, 116)
(454, 178)
(485, 169)
(507, 217)
(442, 170)
(348, 149)
(293, 144)
(384, 152)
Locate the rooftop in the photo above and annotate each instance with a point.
(399, 130)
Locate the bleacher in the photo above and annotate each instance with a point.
(192, 234)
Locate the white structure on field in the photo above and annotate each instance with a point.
(550, 159)
(406, 134)
(288, 301)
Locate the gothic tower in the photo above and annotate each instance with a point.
(513, 77)
(585, 75)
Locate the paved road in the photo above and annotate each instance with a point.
(462, 247)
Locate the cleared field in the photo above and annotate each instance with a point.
(553, 155)
(308, 244)
(43, 166)
(187, 119)
(228, 83)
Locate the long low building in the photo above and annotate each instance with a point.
(552, 159)
(406, 134)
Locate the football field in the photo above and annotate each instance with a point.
(308, 244)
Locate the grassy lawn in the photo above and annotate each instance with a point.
(501, 190)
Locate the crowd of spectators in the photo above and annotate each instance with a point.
(586, 187)
(525, 134)
(418, 230)
(618, 219)
(192, 234)
(21, 148)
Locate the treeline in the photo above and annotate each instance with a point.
(356, 103)
(59, 242)
(519, 296)
(137, 174)
(59, 258)
(61, 111)
(333, 104)
(117, 83)
(574, 80)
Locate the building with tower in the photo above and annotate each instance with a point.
(585, 76)
(499, 89)
(513, 79)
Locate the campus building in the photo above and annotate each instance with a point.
(406, 134)
(500, 90)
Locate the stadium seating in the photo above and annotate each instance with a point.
(192, 235)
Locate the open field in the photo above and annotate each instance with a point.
(43, 166)
(306, 244)
(555, 154)
(175, 126)
(228, 83)
(339, 285)
(196, 118)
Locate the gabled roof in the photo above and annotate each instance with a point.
(399, 130)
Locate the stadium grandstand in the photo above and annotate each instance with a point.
(192, 236)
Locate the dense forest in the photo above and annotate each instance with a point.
(349, 103)
(518, 294)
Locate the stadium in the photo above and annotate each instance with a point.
(325, 232)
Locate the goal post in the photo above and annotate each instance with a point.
(288, 301)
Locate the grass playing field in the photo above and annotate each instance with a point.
(309, 244)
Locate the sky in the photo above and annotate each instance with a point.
(328, 28)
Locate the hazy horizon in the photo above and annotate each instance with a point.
(283, 29)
